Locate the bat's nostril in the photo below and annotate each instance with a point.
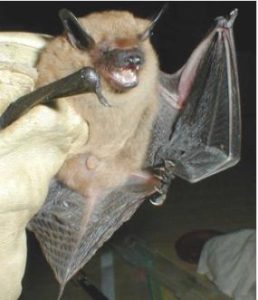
(138, 60)
(134, 59)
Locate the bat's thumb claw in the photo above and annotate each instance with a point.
(91, 80)
(101, 98)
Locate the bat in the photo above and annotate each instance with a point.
(192, 129)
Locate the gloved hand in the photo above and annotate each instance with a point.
(32, 150)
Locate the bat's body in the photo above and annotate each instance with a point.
(118, 135)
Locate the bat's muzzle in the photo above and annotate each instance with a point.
(121, 67)
(130, 58)
(120, 58)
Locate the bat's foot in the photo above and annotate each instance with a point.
(164, 175)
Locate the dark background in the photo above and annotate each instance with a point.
(178, 32)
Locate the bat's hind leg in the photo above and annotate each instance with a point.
(163, 175)
(154, 183)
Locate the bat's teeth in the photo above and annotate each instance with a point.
(125, 77)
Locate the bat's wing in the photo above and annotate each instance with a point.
(207, 135)
(71, 228)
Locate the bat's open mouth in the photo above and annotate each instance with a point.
(124, 78)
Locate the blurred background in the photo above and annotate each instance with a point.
(224, 202)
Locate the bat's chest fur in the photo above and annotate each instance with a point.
(118, 140)
(111, 128)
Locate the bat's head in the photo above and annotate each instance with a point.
(116, 43)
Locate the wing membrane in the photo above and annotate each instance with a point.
(207, 136)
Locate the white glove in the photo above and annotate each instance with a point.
(32, 150)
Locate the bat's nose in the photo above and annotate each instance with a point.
(134, 60)
(125, 58)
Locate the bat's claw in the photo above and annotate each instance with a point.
(163, 174)
(157, 199)
(91, 80)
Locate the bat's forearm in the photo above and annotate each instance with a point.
(85, 80)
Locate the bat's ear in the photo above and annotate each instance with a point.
(147, 32)
(77, 36)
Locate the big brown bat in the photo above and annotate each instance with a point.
(119, 49)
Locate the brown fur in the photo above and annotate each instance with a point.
(118, 135)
